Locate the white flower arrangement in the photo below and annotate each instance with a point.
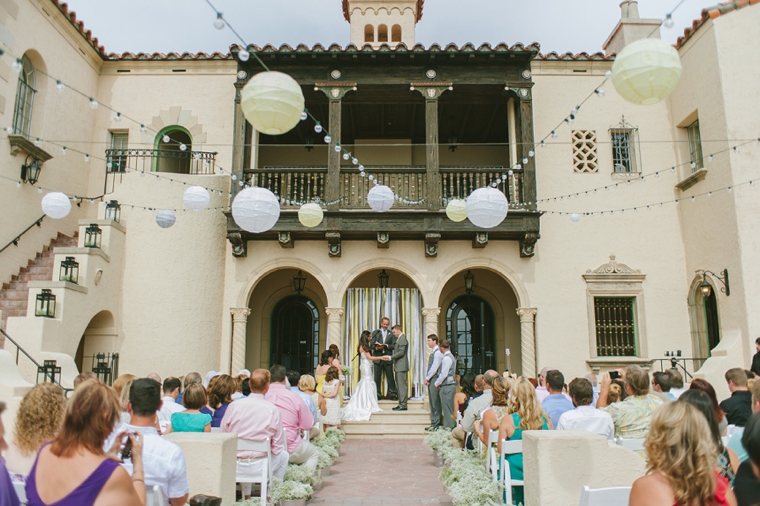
(290, 490)
(253, 501)
(296, 472)
(345, 370)
(334, 434)
(438, 439)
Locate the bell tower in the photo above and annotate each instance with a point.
(378, 22)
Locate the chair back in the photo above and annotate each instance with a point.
(154, 496)
(613, 496)
(246, 445)
(265, 477)
(730, 429)
(509, 448)
(491, 458)
(20, 489)
(634, 444)
(216, 429)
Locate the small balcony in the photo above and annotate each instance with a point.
(120, 161)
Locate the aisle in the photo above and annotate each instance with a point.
(382, 471)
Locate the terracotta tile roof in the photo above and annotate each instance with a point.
(79, 25)
(169, 56)
(712, 13)
(575, 57)
(420, 4)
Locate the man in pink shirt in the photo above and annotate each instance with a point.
(255, 419)
(296, 417)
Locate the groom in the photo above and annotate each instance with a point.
(401, 367)
(382, 344)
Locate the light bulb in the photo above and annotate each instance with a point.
(510, 172)
(60, 86)
(361, 168)
(318, 127)
(18, 184)
(166, 138)
(656, 174)
(93, 104)
(709, 158)
(86, 157)
(117, 117)
(518, 166)
(354, 161)
(570, 120)
(531, 153)
(219, 21)
(304, 115)
(39, 190)
(573, 111)
(736, 149)
(346, 156)
(63, 150)
(668, 21)
(337, 148)
(554, 134)
(608, 75)
(525, 161)
(543, 144)
(143, 129)
(240, 183)
(182, 147)
(17, 65)
(600, 93)
(693, 164)
(234, 177)
(730, 190)
(37, 142)
(142, 174)
(709, 194)
(243, 55)
(328, 139)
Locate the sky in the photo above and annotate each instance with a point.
(187, 25)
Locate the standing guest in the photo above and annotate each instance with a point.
(256, 419)
(735, 443)
(681, 463)
(192, 420)
(661, 386)
(191, 378)
(706, 387)
(756, 359)
(431, 375)
(676, 382)
(37, 422)
(382, 344)
(555, 403)
(446, 384)
(220, 396)
(331, 390)
(121, 385)
(541, 391)
(585, 416)
(493, 416)
(633, 415)
(82, 377)
(73, 470)
(8, 495)
(747, 482)
(295, 418)
(325, 360)
(400, 360)
(169, 404)
(738, 407)
(336, 363)
(591, 377)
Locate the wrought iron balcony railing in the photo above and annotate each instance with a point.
(119, 161)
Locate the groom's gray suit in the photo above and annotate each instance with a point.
(401, 369)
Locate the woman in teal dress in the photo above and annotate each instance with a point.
(192, 420)
(526, 414)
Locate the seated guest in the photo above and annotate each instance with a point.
(747, 482)
(555, 403)
(220, 392)
(681, 465)
(238, 393)
(8, 495)
(246, 388)
(614, 394)
(37, 421)
(82, 377)
(296, 417)
(499, 408)
(308, 384)
(255, 419)
(633, 415)
(458, 435)
(676, 382)
(295, 378)
(192, 420)
(585, 416)
(738, 407)
(477, 406)
(121, 385)
(466, 392)
(163, 460)
(661, 386)
(541, 391)
(192, 377)
(74, 470)
(591, 377)
(169, 404)
(706, 387)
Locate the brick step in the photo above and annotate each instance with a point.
(13, 304)
(13, 312)
(13, 294)
(42, 262)
(16, 285)
(41, 269)
(35, 277)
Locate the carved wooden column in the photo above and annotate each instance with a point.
(239, 335)
(234, 234)
(528, 340)
(335, 91)
(334, 320)
(432, 91)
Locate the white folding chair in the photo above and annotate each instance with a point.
(634, 444)
(613, 496)
(730, 429)
(216, 429)
(264, 463)
(509, 448)
(491, 459)
(725, 440)
(154, 496)
(20, 489)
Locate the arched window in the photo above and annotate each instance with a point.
(382, 33)
(396, 33)
(27, 86)
(369, 33)
(168, 156)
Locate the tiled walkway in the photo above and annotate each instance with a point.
(382, 471)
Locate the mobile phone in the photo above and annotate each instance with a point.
(126, 452)
(614, 375)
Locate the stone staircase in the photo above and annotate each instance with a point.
(14, 295)
(391, 424)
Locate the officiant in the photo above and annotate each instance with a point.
(382, 344)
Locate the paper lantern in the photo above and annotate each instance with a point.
(196, 198)
(457, 210)
(487, 207)
(575, 217)
(165, 218)
(310, 215)
(646, 71)
(380, 198)
(56, 205)
(272, 102)
(256, 210)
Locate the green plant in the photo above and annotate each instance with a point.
(302, 474)
(290, 490)
(438, 439)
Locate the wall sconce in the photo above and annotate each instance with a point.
(383, 277)
(453, 141)
(50, 371)
(69, 270)
(469, 281)
(30, 170)
(723, 278)
(92, 235)
(45, 306)
(309, 140)
(299, 282)
(113, 211)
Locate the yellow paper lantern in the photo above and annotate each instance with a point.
(646, 71)
(272, 102)
(310, 215)
(457, 210)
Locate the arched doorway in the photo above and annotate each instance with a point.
(470, 330)
(97, 348)
(169, 156)
(294, 341)
(705, 323)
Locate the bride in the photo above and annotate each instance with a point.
(364, 400)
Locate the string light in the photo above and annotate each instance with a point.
(243, 55)
(86, 158)
(117, 117)
(668, 22)
(599, 92)
(143, 129)
(219, 22)
(318, 127)
(17, 66)
(93, 104)
(59, 86)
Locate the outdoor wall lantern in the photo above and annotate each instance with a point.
(45, 306)
(469, 281)
(50, 371)
(92, 235)
(383, 277)
(299, 282)
(30, 170)
(309, 139)
(113, 211)
(723, 278)
(69, 270)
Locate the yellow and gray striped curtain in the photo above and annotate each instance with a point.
(362, 310)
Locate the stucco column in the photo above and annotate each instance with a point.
(527, 340)
(334, 318)
(239, 334)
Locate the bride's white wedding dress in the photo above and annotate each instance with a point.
(364, 400)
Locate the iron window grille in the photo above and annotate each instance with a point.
(22, 114)
(695, 146)
(119, 161)
(625, 148)
(615, 323)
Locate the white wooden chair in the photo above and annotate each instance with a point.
(20, 489)
(509, 448)
(613, 496)
(634, 444)
(154, 496)
(263, 472)
(730, 430)
(216, 429)
(492, 464)
(725, 440)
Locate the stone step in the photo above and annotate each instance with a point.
(410, 416)
(409, 404)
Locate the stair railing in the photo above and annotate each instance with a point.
(39, 367)
(14, 242)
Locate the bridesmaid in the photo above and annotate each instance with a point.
(324, 364)
(336, 363)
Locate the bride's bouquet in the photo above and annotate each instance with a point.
(345, 370)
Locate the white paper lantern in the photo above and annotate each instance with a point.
(272, 102)
(457, 210)
(575, 217)
(165, 218)
(646, 71)
(310, 215)
(196, 198)
(487, 207)
(56, 205)
(256, 210)
(380, 198)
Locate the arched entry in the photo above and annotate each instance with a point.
(294, 341)
(170, 157)
(97, 348)
(705, 323)
(470, 330)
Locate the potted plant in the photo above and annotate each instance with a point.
(302, 474)
(290, 493)
(324, 462)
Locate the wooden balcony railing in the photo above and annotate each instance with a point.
(297, 184)
(459, 182)
(408, 182)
